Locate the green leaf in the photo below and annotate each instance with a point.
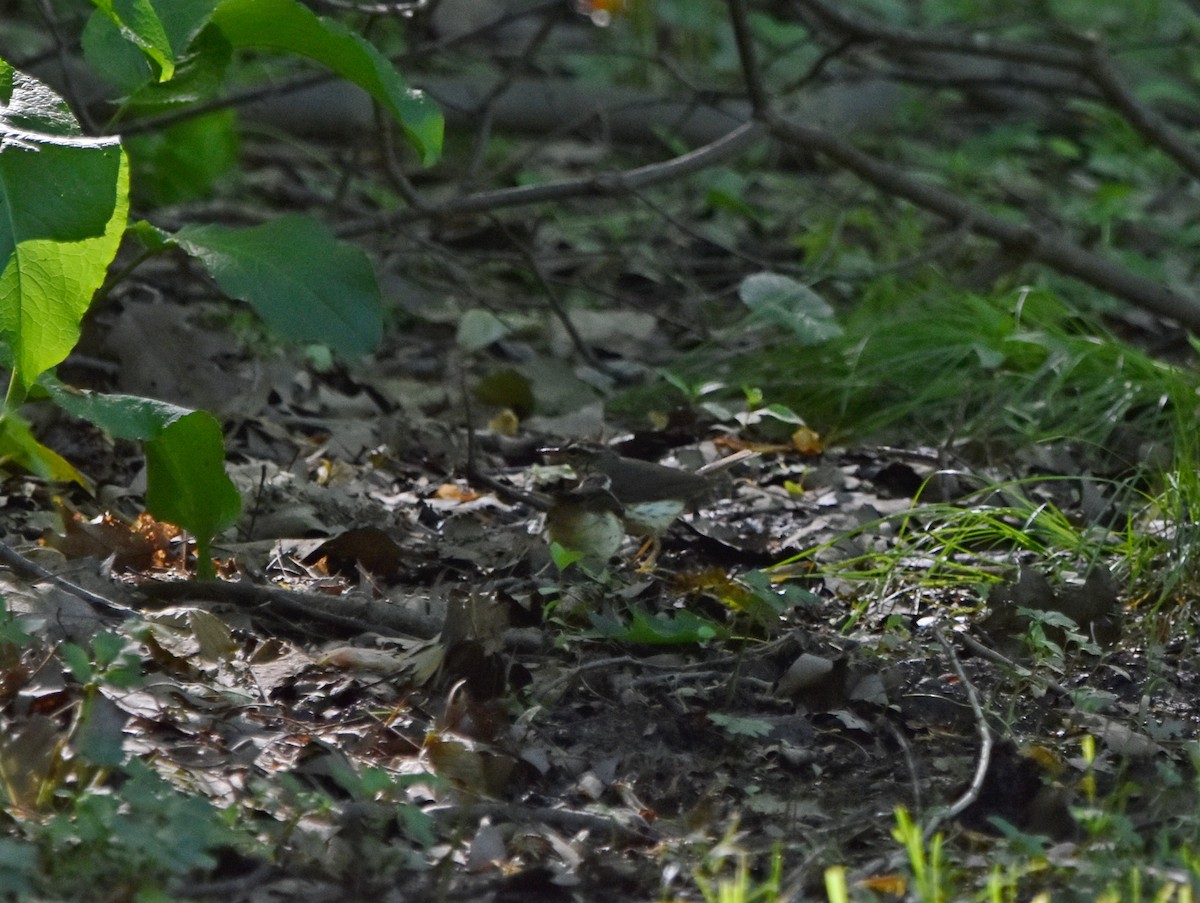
(11, 631)
(106, 647)
(17, 446)
(783, 302)
(121, 416)
(54, 182)
(100, 737)
(186, 483)
(306, 285)
(119, 58)
(289, 26)
(152, 238)
(77, 661)
(199, 77)
(681, 628)
(563, 557)
(506, 388)
(739, 726)
(478, 328)
(20, 864)
(63, 206)
(182, 162)
(138, 23)
(782, 413)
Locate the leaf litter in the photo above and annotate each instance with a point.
(396, 686)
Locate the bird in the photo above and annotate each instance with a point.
(650, 496)
(587, 520)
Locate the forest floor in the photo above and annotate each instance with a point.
(400, 694)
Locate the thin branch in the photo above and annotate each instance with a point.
(1055, 251)
(971, 794)
(1019, 670)
(751, 73)
(30, 570)
(865, 30)
(348, 612)
(485, 110)
(556, 305)
(1093, 64)
(613, 184)
(1149, 124)
(60, 50)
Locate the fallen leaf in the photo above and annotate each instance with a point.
(452, 492)
(807, 441)
(143, 544)
(367, 547)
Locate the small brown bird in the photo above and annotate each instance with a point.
(587, 520)
(651, 496)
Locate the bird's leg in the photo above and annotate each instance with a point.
(651, 549)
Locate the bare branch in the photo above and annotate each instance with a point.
(971, 794)
(751, 72)
(1055, 251)
(1149, 124)
(1092, 64)
(613, 184)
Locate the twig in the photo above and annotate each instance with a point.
(906, 747)
(564, 818)
(1093, 65)
(1020, 670)
(865, 30)
(475, 473)
(751, 74)
(32, 571)
(1149, 124)
(971, 794)
(1055, 251)
(349, 613)
(485, 109)
(612, 184)
(60, 49)
(556, 306)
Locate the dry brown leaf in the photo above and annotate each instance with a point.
(451, 492)
(807, 441)
(143, 544)
(367, 547)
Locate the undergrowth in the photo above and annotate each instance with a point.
(1004, 372)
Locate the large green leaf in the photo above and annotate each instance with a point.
(183, 161)
(290, 26)
(199, 55)
(121, 416)
(63, 206)
(138, 23)
(308, 286)
(186, 483)
(782, 302)
(118, 58)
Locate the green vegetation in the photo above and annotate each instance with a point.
(993, 272)
(66, 202)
